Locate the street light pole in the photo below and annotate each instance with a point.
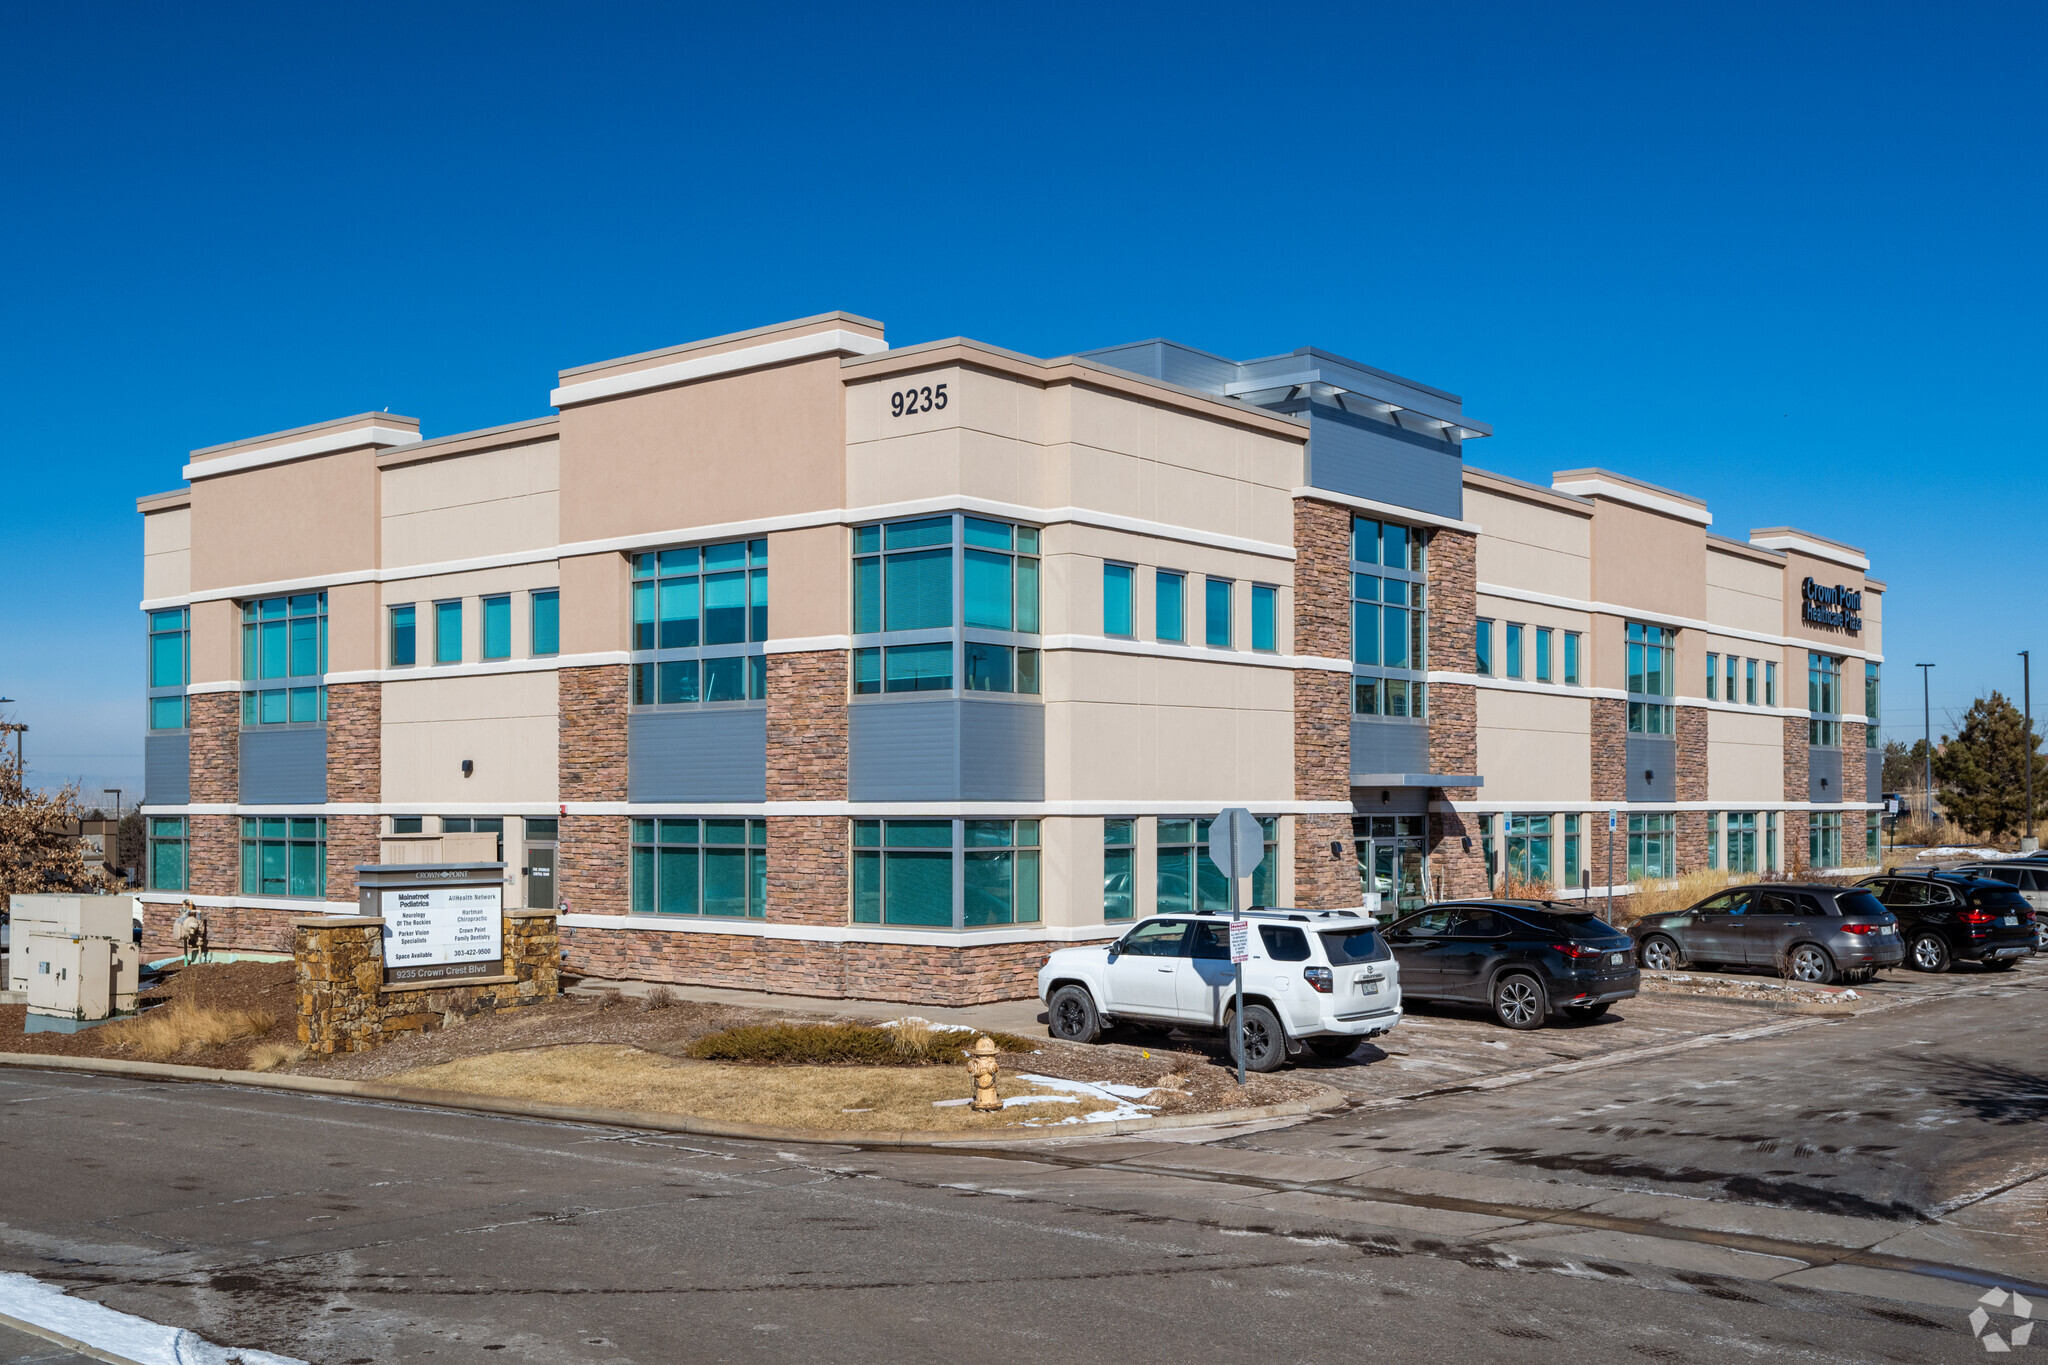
(1927, 744)
(2030, 843)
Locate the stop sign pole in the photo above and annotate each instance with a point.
(1236, 846)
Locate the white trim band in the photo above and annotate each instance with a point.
(301, 906)
(878, 935)
(1544, 599)
(1817, 549)
(833, 342)
(1644, 807)
(1196, 807)
(1637, 497)
(349, 438)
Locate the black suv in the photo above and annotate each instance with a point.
(1950, 917)
(1524, 959)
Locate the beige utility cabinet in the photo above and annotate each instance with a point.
(74, 956)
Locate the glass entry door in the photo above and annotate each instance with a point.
(1390, 859)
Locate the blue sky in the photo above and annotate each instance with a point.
(1787, 258)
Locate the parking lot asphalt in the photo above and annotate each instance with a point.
(1711, 1200)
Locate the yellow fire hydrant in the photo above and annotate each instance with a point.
(981, 1060)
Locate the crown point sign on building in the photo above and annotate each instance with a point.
(1236, 843)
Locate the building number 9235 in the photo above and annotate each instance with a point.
(917, 400)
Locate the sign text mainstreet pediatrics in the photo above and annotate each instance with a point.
(1836, 606)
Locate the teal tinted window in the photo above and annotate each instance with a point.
(908, 535)
(918, 590)
(919, 668)
(989, 590)
(700, 867)
(867, 595)
(166, 713)
(1169, 605)
(403, 628)
(167, 659)
(1118, 868)
(497, 627)
(547, 622)
(1265, 608)
(988, 668)
(990, 535)
(448, 632)
(1116, 599)
(1216, 611)
(284, 857)
(285, 637)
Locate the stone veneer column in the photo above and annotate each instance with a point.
(807, 761)
(213, 849)
(1792, 826)
(594, 850)
(1610, 787)
(1691, 785)
(1322, 705)
(355, 776)
(1855, 771)
(1454, 711)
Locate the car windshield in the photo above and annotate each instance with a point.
(1349, 946)
(1997, 898)
(1860, 903)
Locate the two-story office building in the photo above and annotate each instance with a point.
(789, 660)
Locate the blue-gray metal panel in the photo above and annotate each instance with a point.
(1399, 801)
(1873, 775)
(167, 769)
(1824, 776)
(1171, 362)
(1389, 746)
(283, 767)
(1362, 458)
(904, 750)
(1002, 751)
(712, 754)
(1656, 755)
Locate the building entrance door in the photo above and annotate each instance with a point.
(539, 867)
(1390, 860)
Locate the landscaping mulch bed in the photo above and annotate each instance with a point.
(262, 986)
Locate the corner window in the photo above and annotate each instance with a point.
(404, 636)
(903, 602)
(284, 856)
(701, 867)
(904, 872)
(167, 853)
(1169, 606)
(1264, 613)
(1216, 612)
(1188, 881)
(1116, 599)
(547, 622)
(170, 666)
(1651, 654)
(448, 632)
(1119, 868)
(497, 627)
(700, 617)
(284, 637)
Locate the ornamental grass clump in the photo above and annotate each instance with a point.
(183, 1026)
(919, 1044)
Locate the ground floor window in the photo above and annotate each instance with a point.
(1770, 841)
(1873, 854)
(1650, 841)
(476, 824)
(167, 853)
(284, 856)
(1119, 868)
(904, 872)
(1741, 840)
(701, 867)
(1713, 839)
(1528, 839)
(1572, 857)
(1824, 839)
(1187, 880)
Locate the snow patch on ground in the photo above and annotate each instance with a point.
(935, 1028)
(120, 1334)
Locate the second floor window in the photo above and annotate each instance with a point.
(1823, 699)
(700, 618)
(1169, 606)
(927, 629)
(1870, 705)
(1651, 675)
(284, 640)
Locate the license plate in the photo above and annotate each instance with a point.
(2010, 921)
(1369, 986)
(1614, 959)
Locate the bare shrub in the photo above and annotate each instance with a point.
(1658, 898)
(660, 998)
(912, 1037)
(840, 1044)
(270, 1056)
(1517, 888)
(611, 997)
(183, 1026)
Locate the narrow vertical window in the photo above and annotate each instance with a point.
(1118, 868)
(547, 622)
(1749, 682)
(1216, 611)
(497, 627)
(1169, 606)
(1714, 677)
(1733, 692)
(1870, 706)
(1770, 684)
(1571, 658)
(1116, 599)
(1264, 606)
(403, 628)
(1542, 654)
(1482, 642)
(448, 632)
(1514, 650)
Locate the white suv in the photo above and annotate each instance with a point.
(1320, 979)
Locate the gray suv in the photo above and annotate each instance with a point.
(1812, 932)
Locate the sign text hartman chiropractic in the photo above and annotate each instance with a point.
(1837, 607)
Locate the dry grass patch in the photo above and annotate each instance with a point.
(184, 1026)
(270, 1056)
(890, 1097)
(1655, 898)
(906, 1042)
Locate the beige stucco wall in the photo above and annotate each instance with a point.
(505, 722)
(489, 502)
(1529, 545)
(596, 612)
(1150, 730)
(285, 521)
(1742, 593)
(167, 552)
(216, 642)
(1648, 560)
(1745, 756)
(1535, 747)
(809, 592)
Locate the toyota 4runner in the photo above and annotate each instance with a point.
(1315, 980)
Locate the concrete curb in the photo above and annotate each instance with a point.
(662, 1123)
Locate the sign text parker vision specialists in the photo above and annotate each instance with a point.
(1837, 607)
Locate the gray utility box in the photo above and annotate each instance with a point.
(74, 956)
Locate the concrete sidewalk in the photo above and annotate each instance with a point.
(1026, 1017)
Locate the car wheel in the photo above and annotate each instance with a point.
(1810, 963)
(1333, 1049)
(1928, 954)
(1263, 1041)
(1518, 1001)
(1661, 954)
(1071, 1016)
(1587, 1011)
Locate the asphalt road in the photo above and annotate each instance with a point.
(1702, 1204)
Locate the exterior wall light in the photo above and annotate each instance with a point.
(468, 767)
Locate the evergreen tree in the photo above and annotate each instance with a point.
(1982, 772)
(1904, 767)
